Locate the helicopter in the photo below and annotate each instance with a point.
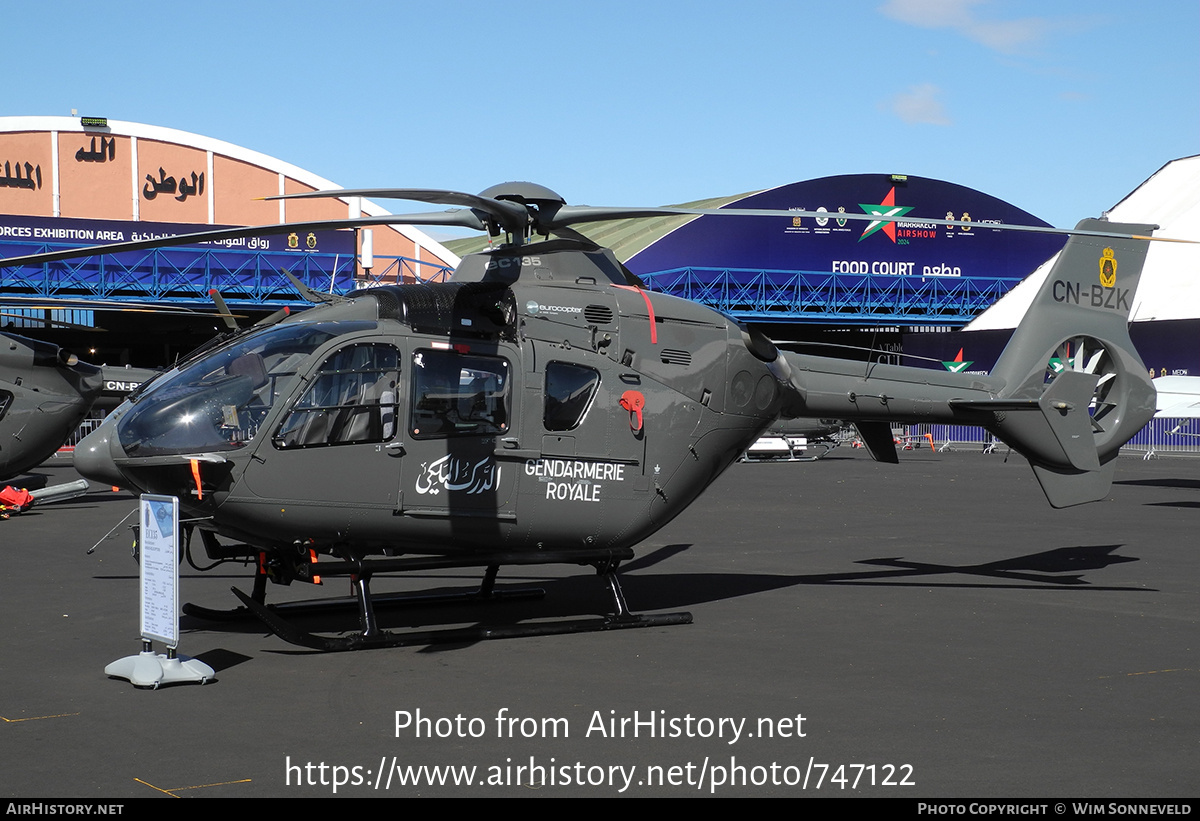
(46, 390)
(541, 406)
(795, 440)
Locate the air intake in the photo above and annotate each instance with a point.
(597, 315)
(670, 356)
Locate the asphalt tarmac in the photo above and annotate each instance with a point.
(929, 629)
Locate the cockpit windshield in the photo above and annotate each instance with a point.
(218, 402)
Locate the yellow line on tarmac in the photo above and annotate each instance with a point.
(171, 792)
(1155, 672)
(35, 718)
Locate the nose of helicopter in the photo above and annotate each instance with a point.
(93, 456)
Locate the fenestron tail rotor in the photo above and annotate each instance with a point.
(1086, 354)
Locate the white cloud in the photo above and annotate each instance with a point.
(920, 104)
(931, 13)
(1004, 36)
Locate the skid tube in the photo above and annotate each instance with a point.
(370, 635)
(487, 590)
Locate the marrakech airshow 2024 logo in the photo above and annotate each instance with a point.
(887, 209)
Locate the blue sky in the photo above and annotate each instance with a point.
(1061, 108)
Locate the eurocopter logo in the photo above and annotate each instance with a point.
(535, 307)
(887, 208)
(957, 365)
(1108, 268)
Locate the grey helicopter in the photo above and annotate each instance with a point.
(541, 406)
(47, 390)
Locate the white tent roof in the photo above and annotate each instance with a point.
(1170, 284)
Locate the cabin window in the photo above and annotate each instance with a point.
(351, 400)
(219, 399)
(458, 394)
(569, 393)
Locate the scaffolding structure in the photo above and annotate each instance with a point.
(821, 296)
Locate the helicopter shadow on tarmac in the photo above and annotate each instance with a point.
(1060, 568)
(1171, 482)
(1174, 483)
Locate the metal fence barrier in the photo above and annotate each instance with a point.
(89, 424)
(1166, 437)
(1162, 437)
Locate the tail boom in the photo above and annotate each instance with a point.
(1067, 392)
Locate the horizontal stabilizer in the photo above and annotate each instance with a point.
(877, 436)
(1056, 427)
(1064, 489)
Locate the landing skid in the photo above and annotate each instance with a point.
(385, 638)
(335, 604)
(371, 636)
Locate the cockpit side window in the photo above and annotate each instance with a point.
(218, 401)
(569, 393)
(457, 394)
(351, 400)
(5, 400)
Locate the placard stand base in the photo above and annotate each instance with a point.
(150, 669)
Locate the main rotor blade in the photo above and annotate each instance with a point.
(223, 309)
(511, 216)
(565, 215)
(462, 218)
(576, 214)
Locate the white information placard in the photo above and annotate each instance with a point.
(160, 569)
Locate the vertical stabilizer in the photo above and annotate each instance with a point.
(1072, 356)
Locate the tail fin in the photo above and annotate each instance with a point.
(1075, 389)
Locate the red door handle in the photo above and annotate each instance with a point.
(633, 401)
